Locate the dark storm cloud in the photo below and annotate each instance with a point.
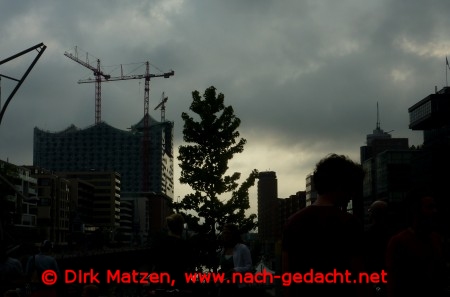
(304, 76)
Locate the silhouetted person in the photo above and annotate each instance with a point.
(39, 263)
(323, 237)
(72, 290)
(11, 272)
(11, 293)
(234, 257)
(415, 255)
(90, 291)
(376, 239)
(173, 254)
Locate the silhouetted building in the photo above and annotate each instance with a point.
(106, 203)
(267, 203)
(53, 211)
(268, 213)
(18, 203)
(431, 167)
(394, 179)
(101, 147)
(311, 193)
(272, 215)
(381, 169)
(127, 227)
(159, 204)
(431, 113)
(289, 206)
(82, 195)
(141, 210)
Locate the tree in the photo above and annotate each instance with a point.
(213, 140)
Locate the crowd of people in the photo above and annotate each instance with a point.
(171, 254)
(326, 238)
(322, 237)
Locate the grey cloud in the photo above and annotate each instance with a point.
(306, 74)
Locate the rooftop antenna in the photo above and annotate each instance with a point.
(447, 66)
(378, 122)
(378, 118)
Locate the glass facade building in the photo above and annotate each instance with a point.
(102, 147)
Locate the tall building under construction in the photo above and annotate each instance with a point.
(102, 147)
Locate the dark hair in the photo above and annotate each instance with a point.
(414, 200)
(378, 211)
(175, 223)
(235, 233)
(11, 293)
(91, 290)
(3, 251)
(337, 172)
(46, 246)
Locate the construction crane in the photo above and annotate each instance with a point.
(146, 130)
(162, 104)
(98, 73)
(147, 76)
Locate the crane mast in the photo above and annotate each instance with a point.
(146, 135)
(162, 104)
(98, 73)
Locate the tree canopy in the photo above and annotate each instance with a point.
(212, 140)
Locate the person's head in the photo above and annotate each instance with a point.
(338, 177)
(175, 223)
(378, 212)
(90, 291)
(11, 293)
(3, 251)
(230, 235)
(46, 246)
(72, 291)
(422, 209)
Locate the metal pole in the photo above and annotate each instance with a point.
(3, 109)
(43, 47)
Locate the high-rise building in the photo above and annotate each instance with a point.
(289, 206)
(53, 207)
(379, 167)
(431, 167)
(311, 193)
(106, 203)
(82, 195)
(105, 209)
(394, 179)
(379, 141)
(267, 205)
(103, 148)
(272, 215)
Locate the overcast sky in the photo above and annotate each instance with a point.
(303, 76)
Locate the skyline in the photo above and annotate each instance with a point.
(304, 77)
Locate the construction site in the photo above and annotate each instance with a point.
(98, 178)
